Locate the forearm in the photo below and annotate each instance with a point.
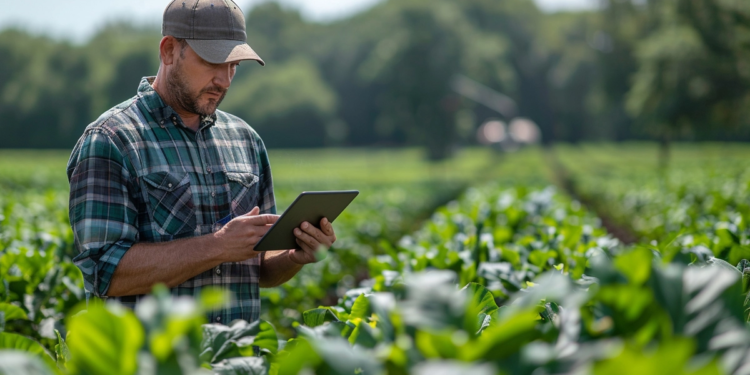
(277, 268)
(171, 263)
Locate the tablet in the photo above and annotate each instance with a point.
(310, 206)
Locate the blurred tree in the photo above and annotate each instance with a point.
(423, 56)
(694, 69)
(120, 55)
(411, 65)
(42, 91)
(288, 103)
(553, 67)
(277, 33)
(637, 68)
(621, 26)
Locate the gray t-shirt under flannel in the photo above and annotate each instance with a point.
(139, 175)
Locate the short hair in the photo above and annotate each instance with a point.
(182, 41)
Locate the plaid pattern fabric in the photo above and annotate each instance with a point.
(139, 175)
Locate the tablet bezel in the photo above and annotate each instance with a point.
(346, 197)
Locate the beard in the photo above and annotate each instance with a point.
(180, 93)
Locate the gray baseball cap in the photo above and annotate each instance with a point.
(214, 29)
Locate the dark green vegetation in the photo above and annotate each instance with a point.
(701, 201)
(658, 69)
(399, 188)
(513, 276)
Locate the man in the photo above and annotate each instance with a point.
(164, 188)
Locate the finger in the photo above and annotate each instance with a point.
(261, 219)
(253, 212)
(259, 231)
(327, 227)
(306, 238)
(316, 233)
(303, 247)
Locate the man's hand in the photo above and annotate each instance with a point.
(313, 242)
(239, 236)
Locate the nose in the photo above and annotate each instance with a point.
(223, 76)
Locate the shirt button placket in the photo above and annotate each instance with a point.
(218, 270)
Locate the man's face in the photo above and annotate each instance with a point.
(197, 85)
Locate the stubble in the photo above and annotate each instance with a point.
(180, 93)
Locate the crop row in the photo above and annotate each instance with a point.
(503, 280)
(398, 189)
(41, 284)
(701, 201)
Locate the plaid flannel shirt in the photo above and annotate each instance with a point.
(139, 175)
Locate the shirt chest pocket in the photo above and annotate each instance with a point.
(170, 202)
(243, 189)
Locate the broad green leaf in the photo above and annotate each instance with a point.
(481, 299)
(481, 304)
(297, 355)
(541, 258)
(664, 283)
(630, 300)
(316, 317)
(265, 339)
(172, 334)
(671, 357)
(708, 284)
(433, 301)
(362, 335)
(339, 358)
(501, 340)
(361, 308)
(440, 344)
(13, 362)
(12, 341)
(104, 340)
(12, 312)
(330, 329)
(222, 342)
(241, 366)
(635, 264)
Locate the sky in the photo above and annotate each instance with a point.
(77, 20)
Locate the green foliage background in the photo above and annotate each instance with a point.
(675, 69)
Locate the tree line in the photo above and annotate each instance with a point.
(634, 69)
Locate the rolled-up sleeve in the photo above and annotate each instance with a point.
(102, 214)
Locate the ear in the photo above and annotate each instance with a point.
(169, 50)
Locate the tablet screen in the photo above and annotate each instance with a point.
(310, 206)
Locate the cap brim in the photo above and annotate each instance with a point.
(222, 51)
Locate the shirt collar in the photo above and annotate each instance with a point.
(163, 114)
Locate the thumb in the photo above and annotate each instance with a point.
(254, 212)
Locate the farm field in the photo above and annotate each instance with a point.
(477, 265)
(701, 200)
